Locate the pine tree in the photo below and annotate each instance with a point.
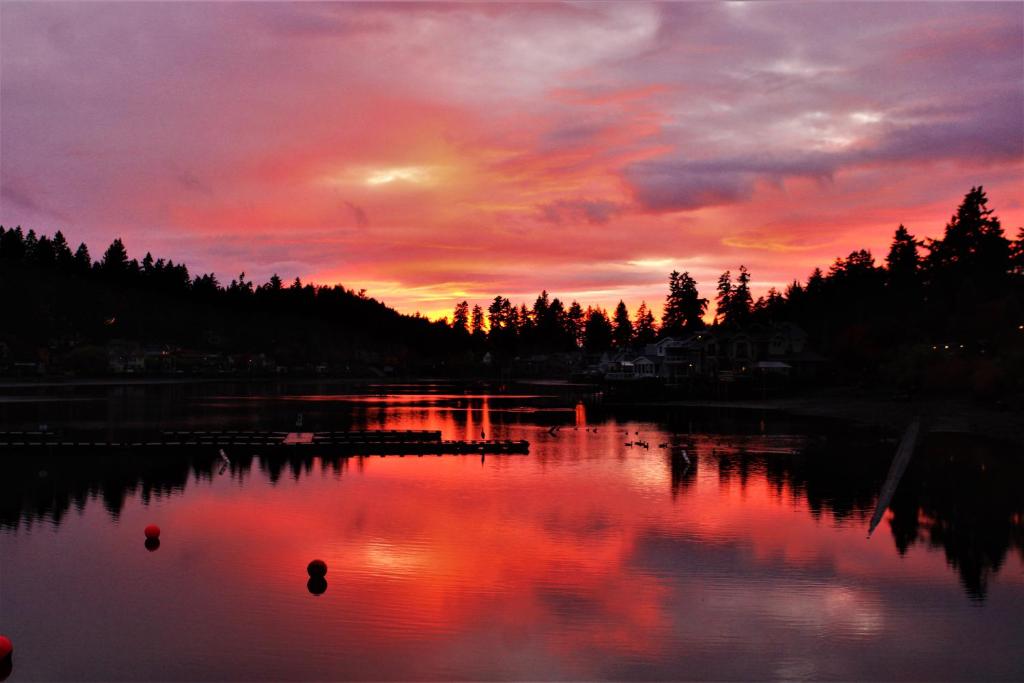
(460, 318)
(62, 252)
(673, 318)
(973, 250)
(597, 335)
(693, 305)
(115, 259)
(477, 322)
(574, 321)
(83, 262)
(645, 329)
(724, 299)
(622, 328)
(741, 301)
(684, 308)
(903, 261)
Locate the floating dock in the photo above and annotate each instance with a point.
(356, 443)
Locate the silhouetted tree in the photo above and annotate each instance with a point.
(478, 322)
(12, 244)
(903, 261)
(115, 260)
(724, 299)
(622, 328)
(574, 323)
(460, 318)
(684, 308)
(597, 335)
(62, 251)
(1017, 254)
(646, 333)
(973, 248)
(83, 262)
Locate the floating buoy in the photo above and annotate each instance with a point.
(317, 568)
(316, 585)
(152, 544)
(152, 531)
(6, 647)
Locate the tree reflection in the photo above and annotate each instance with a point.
(957, 495)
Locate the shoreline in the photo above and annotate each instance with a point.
(940, 415)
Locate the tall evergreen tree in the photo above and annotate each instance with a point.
(460, 318)
(673, 317)
(83, 262)
(724, 299)
(12, 244)
(597, 335)
(622, 327)
(645, 329)
(574, 321)
(973, 247)
(115, 259)
(903, 261)
(741, 300)
(62, 251)
(684, 307)
(477, 322)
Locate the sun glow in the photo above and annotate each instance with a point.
(418, 175)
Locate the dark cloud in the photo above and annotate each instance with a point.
(191, 181)
(358, 214)
(592, 211)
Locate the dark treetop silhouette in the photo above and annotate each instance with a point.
(962, 293)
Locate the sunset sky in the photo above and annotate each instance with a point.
(435, 152)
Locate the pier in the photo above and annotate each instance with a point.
(336, 443)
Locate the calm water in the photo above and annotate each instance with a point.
(585, 559)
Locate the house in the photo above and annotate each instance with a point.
(125, 357)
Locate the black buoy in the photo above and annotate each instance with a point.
(152, 544)
(317, 585)
(317, 568)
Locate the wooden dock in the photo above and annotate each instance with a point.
(355, 443)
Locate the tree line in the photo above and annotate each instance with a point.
(61, 302)
(962, 289)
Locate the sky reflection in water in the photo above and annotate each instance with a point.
(586, 559)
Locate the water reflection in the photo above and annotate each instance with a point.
(586, 559)
(960, 499)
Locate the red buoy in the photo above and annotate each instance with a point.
(6, 647)
(317, 568)
(152, 531)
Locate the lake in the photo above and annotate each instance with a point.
(589, 558)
